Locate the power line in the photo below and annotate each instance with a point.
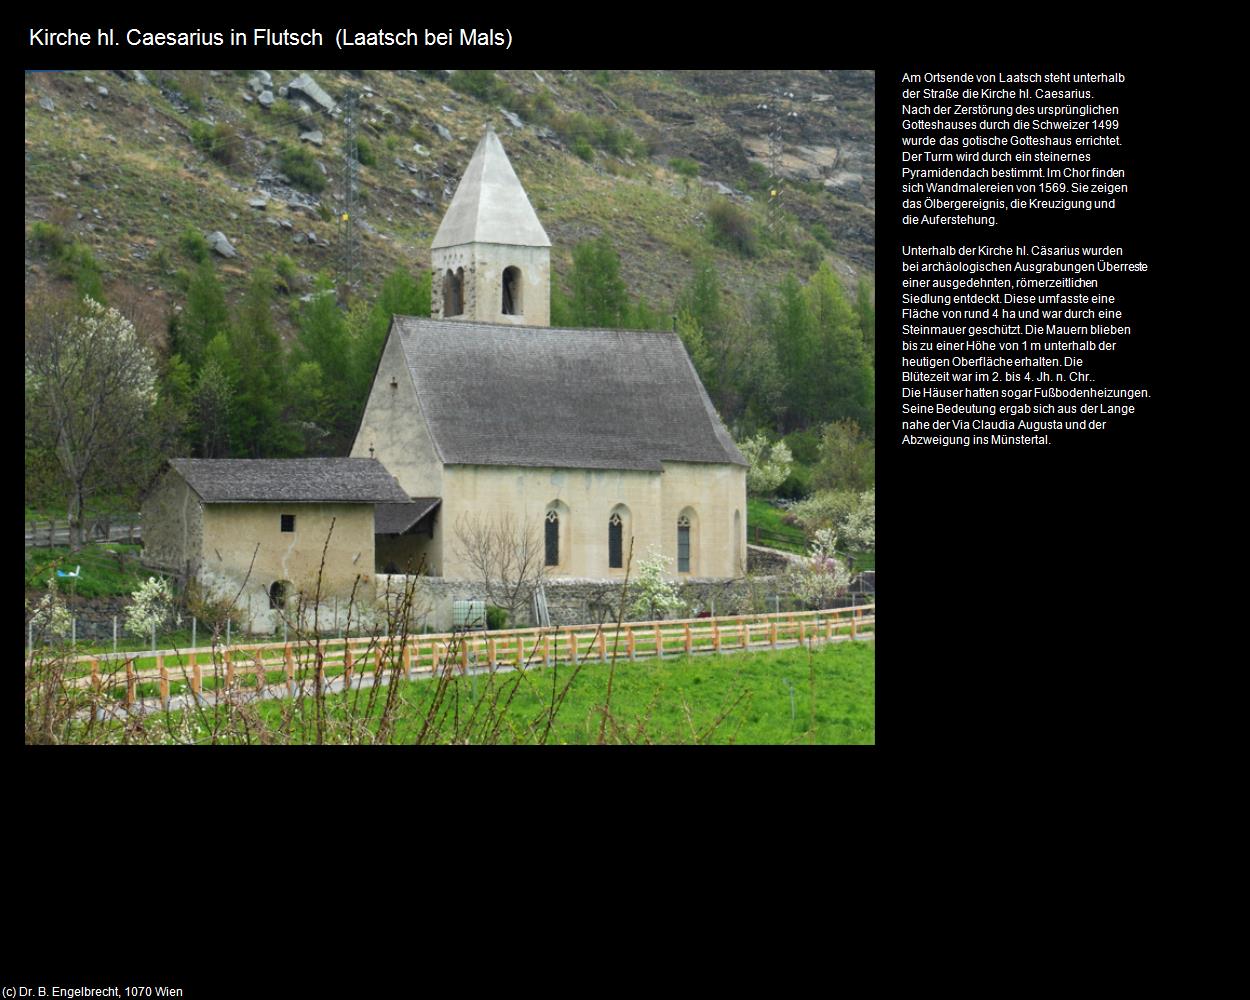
(351, 163)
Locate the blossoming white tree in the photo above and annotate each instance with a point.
(770, 464)
(655, 596)
(90, 387)
(149, 607)
(51, 616)
(822, 576)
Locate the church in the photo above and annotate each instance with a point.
(601, 446)
(485, 413)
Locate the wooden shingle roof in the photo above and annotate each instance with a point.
(261, 480)
(495, 394)
(396, 518)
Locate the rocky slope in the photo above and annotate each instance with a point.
(127, 163)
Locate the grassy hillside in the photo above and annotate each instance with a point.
(125, 164)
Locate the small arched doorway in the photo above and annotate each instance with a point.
(279, 594)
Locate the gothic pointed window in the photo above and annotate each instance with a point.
(512, 291)
(683, 544)
(615, 549)
(553, 538)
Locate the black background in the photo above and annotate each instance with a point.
(1034, 603)
(1028, 597)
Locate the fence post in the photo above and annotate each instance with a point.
(744, 633)
(464, 653)
(520, 647)
(405, 657)
(377, 664)
(772, 632)
(572, 646)
(546, 650)
(347, 665)
(130, 683)
(95, 674)
(229, 660)
(196, 677)
(160, 665)
(688, 644)
(289, 659)
(829, 628)
(715, 636)
(629, 640)
(659, 641)
(490, 652)
(854, 618)
(603, 646)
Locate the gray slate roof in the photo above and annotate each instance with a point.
(396, 518)
(549, 397)
(261, 480)
(490, 206)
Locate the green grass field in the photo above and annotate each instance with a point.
(106, 569)
(783, 697)
(776, 535)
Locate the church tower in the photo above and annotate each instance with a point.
(491, 256)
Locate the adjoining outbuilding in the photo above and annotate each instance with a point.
(264, 525)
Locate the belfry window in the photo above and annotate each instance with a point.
(683, 544)
(512, 291)
(553, 538)
(453, 292)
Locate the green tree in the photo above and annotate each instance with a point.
(309, 408)
(256, 427)
(210, 410)
(691, 334)
(323, 337)
(794, 343)
(842, 382)
(401, 295)
(847, 458)
(599, 296)
(867, 317)
(204, 317)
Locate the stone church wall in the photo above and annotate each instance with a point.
(173, 526)
(588, 497)
(578, 602)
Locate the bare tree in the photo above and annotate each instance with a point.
(90, 390)
(507, 556)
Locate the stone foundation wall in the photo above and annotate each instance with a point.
(578, 602)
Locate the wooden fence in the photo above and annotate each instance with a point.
(300, 661)
(52, 532)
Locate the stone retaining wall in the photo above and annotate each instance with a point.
(578, 601)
